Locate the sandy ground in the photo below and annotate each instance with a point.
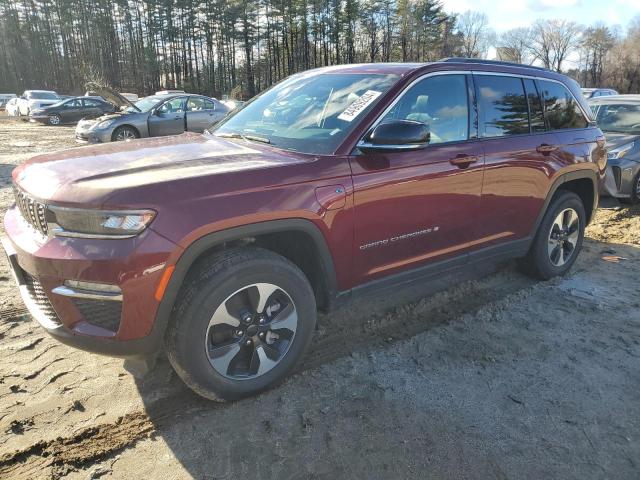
(496, 377)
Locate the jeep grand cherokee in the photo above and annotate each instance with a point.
(220, 248)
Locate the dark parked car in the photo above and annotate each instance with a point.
(72, 110)
(619, 118)
(220, 248)
(154, 116)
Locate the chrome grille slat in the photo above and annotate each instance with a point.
(33, 212)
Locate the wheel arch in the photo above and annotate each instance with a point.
(584, 183)
(133, 127)
(266, 234)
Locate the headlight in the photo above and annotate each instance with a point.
(105, 123)
(620, 151)
(75, 222)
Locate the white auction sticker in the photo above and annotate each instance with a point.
(353, 110)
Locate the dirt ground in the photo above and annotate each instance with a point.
(496, 376)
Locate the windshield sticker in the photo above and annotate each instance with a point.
(353, 110)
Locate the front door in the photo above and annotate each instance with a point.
(71, 111)
(420, 206)
(168, 118)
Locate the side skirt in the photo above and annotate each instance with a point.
(494, 254)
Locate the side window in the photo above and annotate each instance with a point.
(209, 105)
(502, 106)
(562, 110)
(536, 117)
(175, 105)
(441, 102)
(91, 103)
(195, 104)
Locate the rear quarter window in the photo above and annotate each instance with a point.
(561, 109)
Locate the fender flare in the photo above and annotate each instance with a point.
(562, 179)
(206, 242)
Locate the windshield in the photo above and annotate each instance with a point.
(619, 118)
(145, 104)
(309, 113)
(43, 96)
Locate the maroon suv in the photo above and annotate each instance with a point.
(219, 248)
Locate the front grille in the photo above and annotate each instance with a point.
(32, 211)
(617, 176)
(40, 299)
(102, 313)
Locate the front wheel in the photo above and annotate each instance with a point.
(558, 239)
(241, 324)
(122, 134)
(54, 120)
(634, 198)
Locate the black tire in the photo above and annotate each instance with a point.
(54, 120)
(539, 261)
(213, 284)
(124, 133)
(635, 192)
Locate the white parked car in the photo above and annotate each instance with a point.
(4, 98)
(32, 99)
(12, 107)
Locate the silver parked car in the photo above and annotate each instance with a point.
(590, 93)
(153, 116)
(618, 116)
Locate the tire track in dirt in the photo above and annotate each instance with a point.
(84, 448)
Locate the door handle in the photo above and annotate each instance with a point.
(546, 148)
(462, 160)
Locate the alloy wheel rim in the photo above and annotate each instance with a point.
(638, 186)
(251, 331)
(125, 135)
(563, 237)
(55, 120)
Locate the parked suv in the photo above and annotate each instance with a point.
(220, 248)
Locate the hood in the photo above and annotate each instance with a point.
(109, 95)
(90, 175)
(615, 140)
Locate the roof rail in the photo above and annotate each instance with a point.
(489, 62)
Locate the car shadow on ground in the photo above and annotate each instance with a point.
(367, 404)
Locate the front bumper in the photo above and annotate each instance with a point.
(85, 135)
(619, 178)
(135, 265)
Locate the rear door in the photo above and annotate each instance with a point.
(201, 114)
(520, 154)
(168, 118)
(92, 108)
(420, 206)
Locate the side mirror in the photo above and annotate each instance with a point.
(396, 135)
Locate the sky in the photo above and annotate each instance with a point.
(506, 14)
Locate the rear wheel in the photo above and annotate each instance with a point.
(558, 239)
(54, 120)
(241, 324)
(125, 133)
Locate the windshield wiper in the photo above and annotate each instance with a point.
(253, 138)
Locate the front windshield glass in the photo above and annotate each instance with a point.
(309, 113)
(43, 96)
(145, 104)
(619, 118)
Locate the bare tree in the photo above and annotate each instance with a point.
(553, 40)
(596, 42)
(476, 35)
(514, 46)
